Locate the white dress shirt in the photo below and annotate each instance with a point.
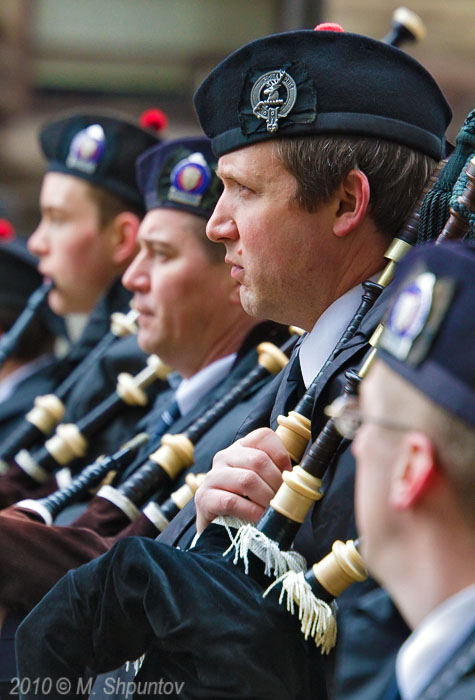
(191, 391)
(317, 346)
(433, 642)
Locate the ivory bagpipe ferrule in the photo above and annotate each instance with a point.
(71, 441)
(406, 26)
(312, 593)
(48, 410)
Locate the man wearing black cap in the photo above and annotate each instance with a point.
(325, 140)
(90, 206)
(415, 480)
(349, 153)
(341, 187)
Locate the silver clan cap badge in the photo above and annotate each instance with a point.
(267, 101)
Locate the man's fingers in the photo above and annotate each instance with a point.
(266, 440)
(244, 478)
(214, 502)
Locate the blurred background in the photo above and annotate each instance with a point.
(131, 55)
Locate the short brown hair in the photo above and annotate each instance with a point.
(110, 205)
(396, 174)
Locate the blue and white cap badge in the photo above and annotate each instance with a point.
(408, 315)
(87, 148)
(190, 178)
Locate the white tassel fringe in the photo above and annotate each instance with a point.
(249, 539)
(317, 617)
(137, 664)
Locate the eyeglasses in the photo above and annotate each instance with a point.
(348, 419)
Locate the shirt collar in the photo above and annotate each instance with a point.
(434, 641)
(192, 390)
(319, 343)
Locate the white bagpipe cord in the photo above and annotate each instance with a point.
(249, 539)
(318, 619)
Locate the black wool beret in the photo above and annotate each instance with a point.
(180, 174)
(99, 148)
(321, 82)
(429, 332)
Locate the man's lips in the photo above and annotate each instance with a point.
(143, 312)
(236, 270)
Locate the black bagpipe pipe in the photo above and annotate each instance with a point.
(151, 521)
(71, 440)
(294, 429)
(36, 301)
(155, 517)
(48, 410)
(48, 508)
(114, 508)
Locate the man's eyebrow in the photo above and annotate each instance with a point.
(47, 208)
(153, 238)
(223, 174)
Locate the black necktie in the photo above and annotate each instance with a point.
(168, 416)
(291, 389)
(156, 429)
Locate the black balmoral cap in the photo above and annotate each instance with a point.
(180, 174)
(429, 332)
(321, 82)
(101, 149)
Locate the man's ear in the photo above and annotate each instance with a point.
(124, 238)
(414, 473)
(352, 202)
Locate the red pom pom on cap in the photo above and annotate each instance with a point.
(7, 232)
(154, 119)
(328, 27)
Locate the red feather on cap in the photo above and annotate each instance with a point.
(154, 119)
(7, 232)
(328, 27)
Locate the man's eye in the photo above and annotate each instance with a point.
(56, 218)
(160, 254)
